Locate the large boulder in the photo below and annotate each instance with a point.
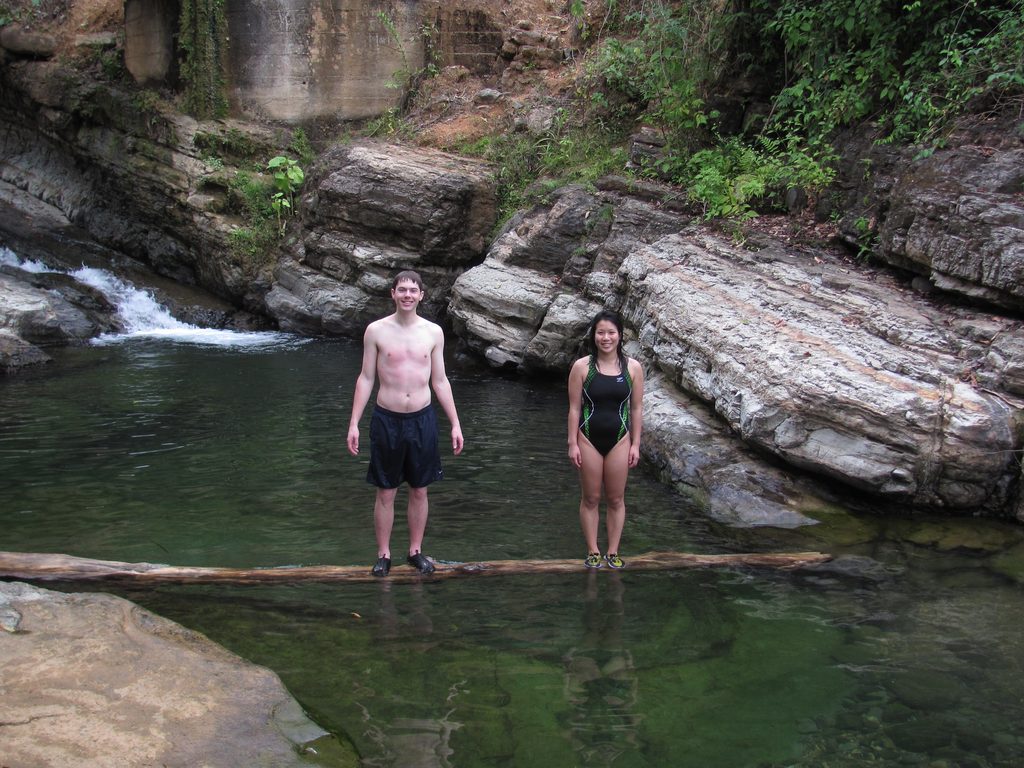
(836, 373)
(370, 210)
(91, 679)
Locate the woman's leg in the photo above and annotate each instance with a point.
(616, 469)
(591, 476)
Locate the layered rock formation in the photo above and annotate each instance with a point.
(955, 216)
(834, 367)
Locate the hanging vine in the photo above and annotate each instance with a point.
(203, 36)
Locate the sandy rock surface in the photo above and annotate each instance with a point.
(94, 680)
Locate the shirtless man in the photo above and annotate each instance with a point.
(406, 352)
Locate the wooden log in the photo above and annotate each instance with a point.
(38, 566)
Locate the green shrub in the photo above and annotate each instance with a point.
(912, 67)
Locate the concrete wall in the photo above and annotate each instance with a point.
(293, 60)
(150, 29)
(299, 60)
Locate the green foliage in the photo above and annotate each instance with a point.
(568, 152)
(203, 37)
(867, 236)
(231, 144)
(666, 69)
(302, 147)
(288, 177)
(734, 179)
(264, 205)
(253, 245)
(912, 67)
(390, 124)
(252, 198)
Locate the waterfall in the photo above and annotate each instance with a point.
(142, 315)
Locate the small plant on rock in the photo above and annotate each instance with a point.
(288, 177)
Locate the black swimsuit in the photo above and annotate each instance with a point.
(604, 418)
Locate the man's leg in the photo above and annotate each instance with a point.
(417, 518)
(384, 519)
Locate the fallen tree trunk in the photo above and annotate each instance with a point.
(38, 566)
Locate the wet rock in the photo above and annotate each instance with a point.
(16, 353)
(923, 735)
(66, 312)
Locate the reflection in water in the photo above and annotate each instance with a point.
(414, 741)
(600, 679)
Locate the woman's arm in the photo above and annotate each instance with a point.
(636, 410)
(575, 404)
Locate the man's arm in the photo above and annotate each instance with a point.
(364, 387)
(443, 389)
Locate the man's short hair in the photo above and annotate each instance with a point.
(410, 276)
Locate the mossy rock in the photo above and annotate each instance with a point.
(923, 736)
(952, 534)
(1010, 563)
(927, 690)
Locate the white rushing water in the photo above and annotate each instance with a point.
(143, 316)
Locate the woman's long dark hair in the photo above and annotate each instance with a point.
(615, 319)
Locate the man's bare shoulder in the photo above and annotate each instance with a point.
(379, 326)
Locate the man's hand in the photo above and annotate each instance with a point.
(353, 440)
(457, 441)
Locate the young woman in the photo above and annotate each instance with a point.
(606, 391)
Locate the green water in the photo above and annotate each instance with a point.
(908, 650)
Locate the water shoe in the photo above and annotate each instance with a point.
(421, 563)
(593, 560)
(382, 567)
(614, 561)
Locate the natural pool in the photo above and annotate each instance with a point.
(907, 650)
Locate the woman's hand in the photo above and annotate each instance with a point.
(575, 455)
(634, 454)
